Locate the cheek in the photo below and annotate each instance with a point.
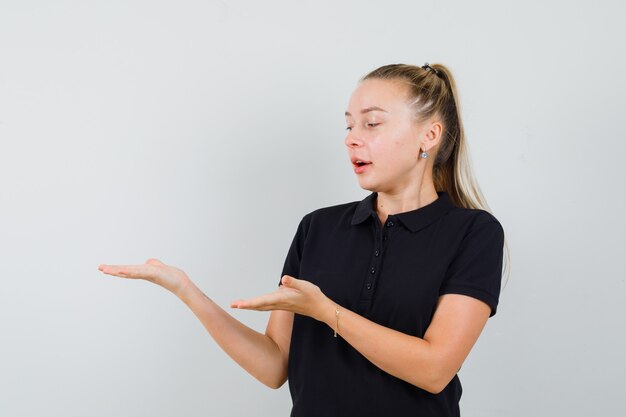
(394, 154)
(394, 148)
(403, 147)
(402, 138)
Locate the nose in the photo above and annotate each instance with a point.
(353, 140)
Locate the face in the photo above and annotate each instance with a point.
(383, 133)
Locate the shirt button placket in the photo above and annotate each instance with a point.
(377, 252)
(370, 281)
(390, 223)
(368, 285)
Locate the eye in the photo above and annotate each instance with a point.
(373, 124)
(348, 128)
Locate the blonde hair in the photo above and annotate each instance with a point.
(433, 92)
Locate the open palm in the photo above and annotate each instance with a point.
(155, 271)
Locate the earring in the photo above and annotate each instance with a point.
(424, 155)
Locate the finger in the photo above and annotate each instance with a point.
(266, 302)
(253, 304)
(248, 305)
(129, 271)
(117, 270)
(155, 261)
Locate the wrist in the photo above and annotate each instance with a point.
(185, 290)
(327, 313)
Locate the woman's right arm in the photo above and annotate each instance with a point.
(264, 356)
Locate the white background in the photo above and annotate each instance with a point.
(200, 132)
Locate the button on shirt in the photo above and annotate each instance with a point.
(391, 273)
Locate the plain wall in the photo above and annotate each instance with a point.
(200, 132)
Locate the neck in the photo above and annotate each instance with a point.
(405, 200)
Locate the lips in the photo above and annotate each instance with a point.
(360, 165)
(359, 162)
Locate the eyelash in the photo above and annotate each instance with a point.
(368, 124)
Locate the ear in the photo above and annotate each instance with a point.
(431, 135)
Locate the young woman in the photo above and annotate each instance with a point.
(380, 300)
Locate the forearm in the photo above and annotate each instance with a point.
(406, 357)
(257, 353)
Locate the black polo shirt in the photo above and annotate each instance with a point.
(392, 274)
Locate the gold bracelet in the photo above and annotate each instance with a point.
(337, 317)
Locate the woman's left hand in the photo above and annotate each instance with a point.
(295, 295)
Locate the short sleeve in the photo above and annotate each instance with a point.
(294, 254)
(476, 269)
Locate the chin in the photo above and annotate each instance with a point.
(369, 186)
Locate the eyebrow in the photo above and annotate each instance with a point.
(369, 109)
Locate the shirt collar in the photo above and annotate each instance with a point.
(414, 220)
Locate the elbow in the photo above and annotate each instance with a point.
(275, 384)
(435, 379)
(438, 381)
(435, 388)
(274, 381)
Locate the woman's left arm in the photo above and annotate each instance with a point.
(428, 363)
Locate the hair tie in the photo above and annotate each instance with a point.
(431, 69)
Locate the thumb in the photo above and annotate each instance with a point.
(154, 261)
(290, 281)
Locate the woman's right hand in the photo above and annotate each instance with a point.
(155, 271)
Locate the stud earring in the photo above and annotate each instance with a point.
(424, 155)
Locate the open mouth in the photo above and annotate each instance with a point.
(361, 163)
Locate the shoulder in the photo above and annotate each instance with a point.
(465, 221)
(331, 213)
(471, 217)
(328, 218)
